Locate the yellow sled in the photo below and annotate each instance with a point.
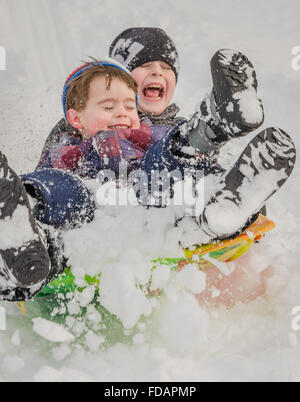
(228, 250)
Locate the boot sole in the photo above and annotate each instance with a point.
(27, 265)
(261, 170)
(235, 92)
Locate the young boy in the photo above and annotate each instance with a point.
(151, 56)
(31, 252)
(102, 96)
(231, 110)
(156, 43)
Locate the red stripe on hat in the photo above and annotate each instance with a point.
(75, 71)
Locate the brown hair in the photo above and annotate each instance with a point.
(78, 91)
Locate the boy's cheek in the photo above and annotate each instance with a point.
(135, 123)
(97, 125)
(139, 75)
(137, 126)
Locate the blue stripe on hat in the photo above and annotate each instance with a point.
(76, 73)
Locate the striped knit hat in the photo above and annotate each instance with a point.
(76, 73)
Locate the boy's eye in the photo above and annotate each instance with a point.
(166, 67)
(108, 108)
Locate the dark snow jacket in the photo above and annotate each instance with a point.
(168, 119)
(153, 147)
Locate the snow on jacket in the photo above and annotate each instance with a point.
(168, 118)
(104, 151)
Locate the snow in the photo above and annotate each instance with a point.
(47, 374)
(51, 331)
(252, 113)
(190, 278)
(13, 364)
(15, 339)
(170, 338)
(13, 238)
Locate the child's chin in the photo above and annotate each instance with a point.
(154, 107)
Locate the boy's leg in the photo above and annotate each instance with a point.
(232, 109)
(261, 170)
(163, 165)
(24, 260)
(28, 246)
(54, 137)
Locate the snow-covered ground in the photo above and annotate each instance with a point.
(176, 339)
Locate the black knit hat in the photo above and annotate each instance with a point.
(137, 46)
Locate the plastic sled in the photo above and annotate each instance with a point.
(205, 256)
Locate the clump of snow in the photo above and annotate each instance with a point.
(192, 279)
(15, 339)
(160, 277)
(251, 110)
(16, 238)
(138, 339)
(120, 292)
(94, 341)
(61, 352)
(51, 331)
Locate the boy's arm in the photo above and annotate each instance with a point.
(67, 155)
(87, 158)
(103, 151)
(53, 138)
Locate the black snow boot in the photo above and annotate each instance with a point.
(24, 260)
(238, 107)
(261, 170)
(232, 109)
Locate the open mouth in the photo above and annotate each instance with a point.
(154, 92)
(119, 127)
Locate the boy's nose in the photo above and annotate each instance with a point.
(156, 68)
(121, 111)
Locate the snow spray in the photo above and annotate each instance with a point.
(296, 58)
(2, 58)
(2, 319)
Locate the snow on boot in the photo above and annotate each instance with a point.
(24, 261)
(238, 107)
(261, 170)
(232, 109)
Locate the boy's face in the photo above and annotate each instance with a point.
(106, 109)
(156, 85)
